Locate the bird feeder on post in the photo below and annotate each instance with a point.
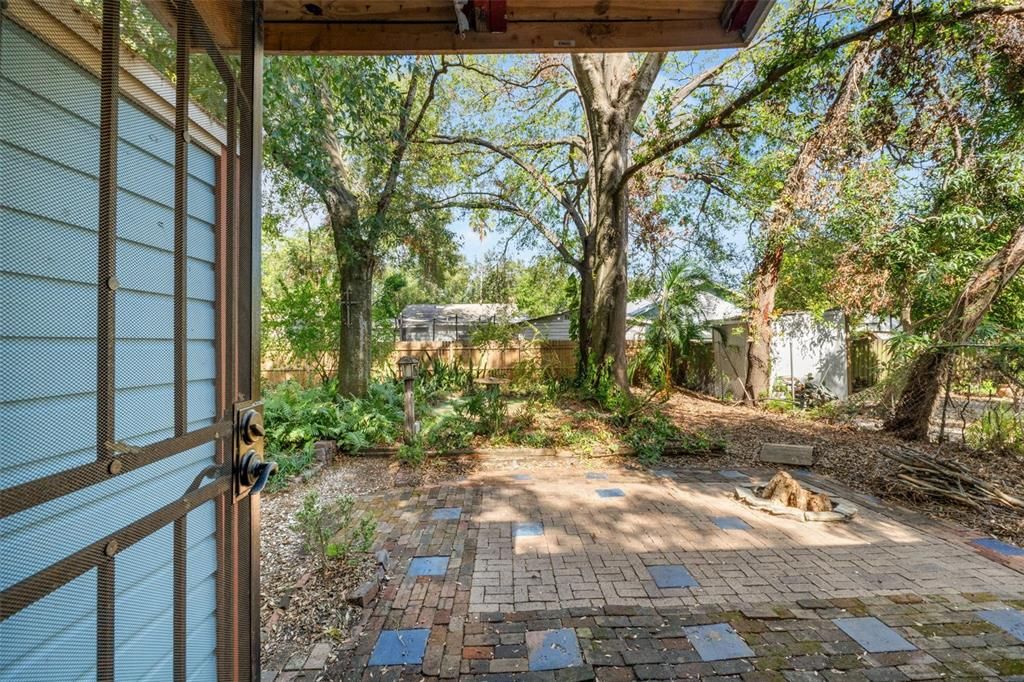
(407, 366)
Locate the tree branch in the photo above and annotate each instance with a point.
(549, 187)
(802, 57)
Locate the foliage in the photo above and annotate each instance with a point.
(297, 416)
(440, 378)
(333, 531)
(487, 409)
(412, 454)
(449, 433)
(676, 324)
(999, 430)
(301, 315)
(290, 463)
(144, 35)
(649, 435)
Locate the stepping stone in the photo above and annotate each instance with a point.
(521, 477)
(729, 473)
(717, 642)
(610, 492)
(1010, 620)
(529, 529)
(875, 636)
(730, 523)
(400, 647)
(672, 576)
(593, 476)
(1004, 548)
(786, 453)
(553, 649)
(428, 565)
(446, 514)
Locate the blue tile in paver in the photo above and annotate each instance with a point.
(729, 473)
(730, 523)
(595, 476)
(446, 514)
(553, 649)
(428, 565)
(528, 529)
(875, 636)
(1003, 548)
(717, 642)
(1010, 620)
(672, 576)
(610, 492)
(521, 477)
(400, 647)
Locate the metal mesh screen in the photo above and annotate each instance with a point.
(127, 555)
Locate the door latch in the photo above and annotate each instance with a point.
(251, 472)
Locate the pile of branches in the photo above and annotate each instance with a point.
(926, 475)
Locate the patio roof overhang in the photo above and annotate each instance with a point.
(489, 26)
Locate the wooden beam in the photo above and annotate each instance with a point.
(414, 11)
(533, 37)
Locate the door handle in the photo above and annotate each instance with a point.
(255, 473)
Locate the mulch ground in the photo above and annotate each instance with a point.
(855, 457)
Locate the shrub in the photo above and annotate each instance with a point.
(649, 434)
(448, 433)
(439, 378)
(486, 409)
(331, 531)
(296, 416)
(290, 463)
(413, 454)
(998, 430)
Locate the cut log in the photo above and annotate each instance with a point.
(784, 489)
(783, 453)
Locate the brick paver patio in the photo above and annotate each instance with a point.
(601, 585)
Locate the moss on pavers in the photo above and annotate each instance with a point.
(1007, 667)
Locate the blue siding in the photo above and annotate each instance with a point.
(48, 254)
(54, 638)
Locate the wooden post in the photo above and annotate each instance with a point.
(410, 412)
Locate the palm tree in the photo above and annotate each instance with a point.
(677, 324)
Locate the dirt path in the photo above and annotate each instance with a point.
(855, 457)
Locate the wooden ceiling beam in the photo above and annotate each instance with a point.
(558, 37)
(413, 11)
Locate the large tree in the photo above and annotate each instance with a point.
(342, 127)
(778, 227)
(580, 176)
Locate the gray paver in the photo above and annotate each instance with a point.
(718, 642)
(874, 635)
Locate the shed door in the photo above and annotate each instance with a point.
(128, 526)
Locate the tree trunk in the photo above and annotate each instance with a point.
(586, 310)
(608, 324)
(914, 408)
(356, 262)
(777, 229)
(355, 356)
(613, 90)
(759, 323)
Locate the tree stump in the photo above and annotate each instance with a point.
(785, 490)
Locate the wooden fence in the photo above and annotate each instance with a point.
(556, 358)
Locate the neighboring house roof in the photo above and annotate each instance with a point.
(466, 312)
(711, 308)
(552, 316)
